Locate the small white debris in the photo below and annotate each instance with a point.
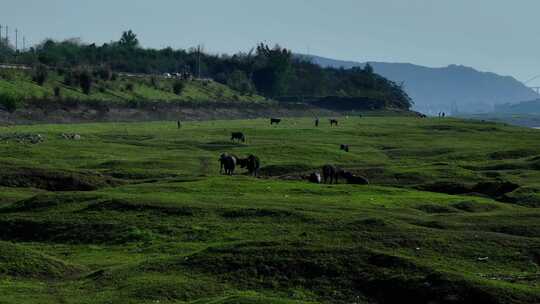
(482, 259)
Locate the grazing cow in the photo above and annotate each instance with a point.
(275, 121)
(242, 162)
(330, 174)
(315, 177)
(251, 163)
(316, 122)
(239, 136)
(227, 162)
(344, 147)
(354, 179)
(333, 122)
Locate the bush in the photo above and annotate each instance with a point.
(57, 91)
(85, 79)
(130, 87)
(178, 87)
(40, 74)
(114, 76)
(9, 102)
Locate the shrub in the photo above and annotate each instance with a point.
(57, 91)
(9, 102)
(178, 87)
(114, 76)
(40, 74)
(130, 87)
(85, 79)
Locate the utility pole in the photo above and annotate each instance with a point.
(24, 43)
(0, 34)
(16, 40)
(199, 59)
(7, 35)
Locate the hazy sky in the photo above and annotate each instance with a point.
(501, 36)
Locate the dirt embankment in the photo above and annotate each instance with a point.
(74, 112)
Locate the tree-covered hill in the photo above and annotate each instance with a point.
(269, 71)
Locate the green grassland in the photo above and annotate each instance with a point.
(122, 89)
(138, 213)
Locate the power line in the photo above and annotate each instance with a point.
(534, 78)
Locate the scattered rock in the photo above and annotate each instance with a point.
(71, 136)
(22, 138)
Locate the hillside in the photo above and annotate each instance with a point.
(269, 71)
(123, 89)
(447, 88)
(139, 213)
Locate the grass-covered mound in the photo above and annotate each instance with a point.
(20, 262)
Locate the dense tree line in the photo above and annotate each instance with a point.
(271, 71)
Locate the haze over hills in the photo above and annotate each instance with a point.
(526, 107)
(451, 89)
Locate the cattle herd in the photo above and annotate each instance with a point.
(330, 174)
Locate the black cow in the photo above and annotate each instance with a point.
(315, 177)
(227, 162)
(354, 179)
(333, 122)
(251, 163)
(239, 136)
(330, 173)
(344, 147)
(275, 121)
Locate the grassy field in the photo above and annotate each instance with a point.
(138, 213)
(123, 89)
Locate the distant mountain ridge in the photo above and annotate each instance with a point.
(451, 89)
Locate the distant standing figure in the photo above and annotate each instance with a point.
(275, 121)
(333, 122)
(443, 114)
(316, 122)
(179, 124)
